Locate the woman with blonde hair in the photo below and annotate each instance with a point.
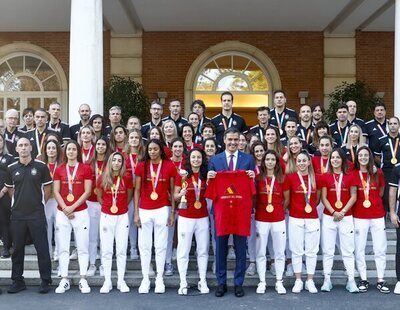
(86, 139)
(354, 142)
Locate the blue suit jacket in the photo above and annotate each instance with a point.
(244, 162)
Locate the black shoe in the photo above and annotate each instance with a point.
(5, 253)
(363, 286)
(239, 292)
(16, 287)
(221, 290)
(44, 288)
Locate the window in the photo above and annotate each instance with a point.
(26, 80)
(238, 73)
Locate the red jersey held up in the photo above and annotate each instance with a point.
(232, 194)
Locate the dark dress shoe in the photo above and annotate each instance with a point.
(221, 290)
(44, 288)
(5, 253)
(239, 292)
(16, 287)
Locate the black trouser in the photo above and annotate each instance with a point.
(387, 174)
(38, 231)
(5, 213)
(398, 253)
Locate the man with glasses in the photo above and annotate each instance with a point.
(12, 133)
(156, 111)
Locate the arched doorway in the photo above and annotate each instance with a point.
(236, 67)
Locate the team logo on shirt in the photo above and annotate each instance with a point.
(3, 160)
(234, 123)
(286, 116)
(33, 171)
(231, 190)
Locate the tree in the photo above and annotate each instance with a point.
(129, 95)
(363, 95)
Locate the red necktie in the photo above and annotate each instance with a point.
(230, 166)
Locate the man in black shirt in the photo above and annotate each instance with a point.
(353, 119)
(55, 122)
(29, 181)
(175, 114)
(377, 127)
(156, 110)
(280, 113)
(84, 113)
(227, 119)
(340, 128)
(12, 133)
(263, 115)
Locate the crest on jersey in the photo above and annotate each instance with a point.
(34, 171)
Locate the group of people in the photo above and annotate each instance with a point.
(284, 187)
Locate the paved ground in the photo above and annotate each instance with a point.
(73, 299)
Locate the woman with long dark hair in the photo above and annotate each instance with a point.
(98, 123)
(193, 220)
(369, 215)
(154, 210)
(114, 193)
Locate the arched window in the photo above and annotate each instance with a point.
(235, 72)
(27, 80)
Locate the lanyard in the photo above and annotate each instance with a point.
(338, 186)
(52, 171)
(353, 158)
(305, 138)
(365, 185)
(307, 193)
(197, 187)
(154, 176)
(133, 165)
(393, 150)
(224, 122)
(270, 188)
(279, 121)
(343, 138)
(114, 191)
(12, 137)
(323, 167)
(261, 132)
(86, 157)
(381, 129)
(99, 171)
(71, 178)
(39, 145)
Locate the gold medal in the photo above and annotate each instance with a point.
(338, 204)
(366, 204)
(269, 208)
(154, 196)
(70, 197)
(197, 205)
(114, 209)
(95, 191)
(308, 209)
(394, 161)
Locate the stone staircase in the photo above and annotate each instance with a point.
(133, 274)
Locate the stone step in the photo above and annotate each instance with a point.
(133, 278)
(133, 265)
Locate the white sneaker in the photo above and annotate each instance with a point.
(74, 254)
(174, 254)
(91, 271)
(160, 287)
(63, 286)
(151, 270)
(144, 287)
(101, 270)
(251, 270)
(397, 288)
(289, 270)
(182, 290)
(272, 269)
(169, 270)
(310, 286)
(352, 287)
(84, 286)
(231, 253)
(327, 286)
(134, 254)
(297, 287)
(106, 288)
(261, 287)
(123, 287)
(202, 287)
(279, 288)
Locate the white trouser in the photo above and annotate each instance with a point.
(251, 240)
(133, 231)
(50, 210)
(170, 241)
(114, 227)
(329, 232)
(304, 235)
(200, 228)
(153, 220)
(80, 224)
(379, 243)
(277, 231)
(288, 252)
(212, 223)
(94, 210)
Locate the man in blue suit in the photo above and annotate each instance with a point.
(231, 159)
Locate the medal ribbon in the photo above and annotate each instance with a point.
(323, 167)
(71, 178)
(39, 145)
(133, 165)
(338, 186)
(86, 157)
(98, 171)
(393, 150)
(307, 194)
(114, 191)
(279, 121)
(52, 171)
(381, 129)
(12, 137)
(197, 187)
(365, 185)
(352, 154)
(224, 122)
(155, 177)
(270, 188)
(342, 138)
